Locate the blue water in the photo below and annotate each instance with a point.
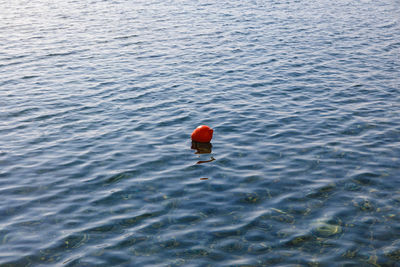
(98, 100)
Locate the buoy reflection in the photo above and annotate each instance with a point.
(201, 148)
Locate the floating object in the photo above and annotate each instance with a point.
(202, 134)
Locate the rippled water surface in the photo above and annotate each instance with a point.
(98, 100)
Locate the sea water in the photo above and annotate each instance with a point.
(98, 100)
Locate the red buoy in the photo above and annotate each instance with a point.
(202, 134)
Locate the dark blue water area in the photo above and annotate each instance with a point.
(98, 100)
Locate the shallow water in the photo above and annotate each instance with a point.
(98, 100)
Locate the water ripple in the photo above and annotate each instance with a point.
(98, 100)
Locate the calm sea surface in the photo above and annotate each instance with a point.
(98, 100)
